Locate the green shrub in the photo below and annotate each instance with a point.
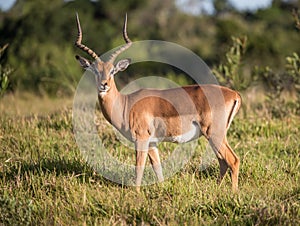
(4, 73)
(278, 84)
(230, 73)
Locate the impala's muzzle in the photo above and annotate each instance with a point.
(103, 88)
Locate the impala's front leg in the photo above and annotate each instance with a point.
(141, 155)
(155, 162)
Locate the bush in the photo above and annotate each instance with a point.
(230, 73)
(4, 73)
(282, 88)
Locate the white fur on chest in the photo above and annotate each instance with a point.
(102, 94)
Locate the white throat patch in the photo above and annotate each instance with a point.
(103, 93)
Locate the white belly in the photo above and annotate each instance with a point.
(190, 135)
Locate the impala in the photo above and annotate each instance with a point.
(149, 116)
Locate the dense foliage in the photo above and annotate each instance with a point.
(41, 37)
(4, 72)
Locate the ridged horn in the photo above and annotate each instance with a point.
(82, 46)
(124, 47)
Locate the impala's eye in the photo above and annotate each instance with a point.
(105, 84)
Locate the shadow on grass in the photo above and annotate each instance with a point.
(58, 167)
(209, 172)
(202, 171)
(76, 168)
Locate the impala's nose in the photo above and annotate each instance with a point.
(103, 87)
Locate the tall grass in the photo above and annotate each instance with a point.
(44, 179)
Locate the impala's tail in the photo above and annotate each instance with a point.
(235, 108)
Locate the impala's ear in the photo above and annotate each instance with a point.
(83, 62)
(122, 65)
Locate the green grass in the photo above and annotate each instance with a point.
(45, 180)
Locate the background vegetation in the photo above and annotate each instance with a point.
(41, 37)
(44, 179)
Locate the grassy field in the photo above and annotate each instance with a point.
(45, 181)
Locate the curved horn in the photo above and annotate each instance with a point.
(81, 46)
(124, 47)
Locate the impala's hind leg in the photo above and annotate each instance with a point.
(223, 169)
(233, 162)
(155, 162)
(227, 158)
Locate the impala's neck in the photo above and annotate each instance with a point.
(113, 105)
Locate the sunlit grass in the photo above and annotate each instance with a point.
(45, 180)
